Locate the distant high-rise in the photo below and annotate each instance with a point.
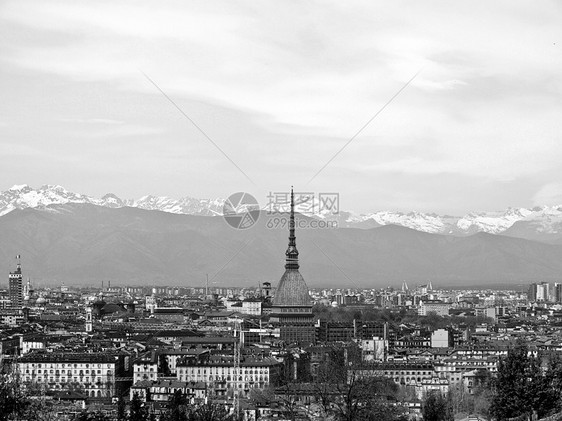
(532, 293)
(16, 286)
(543, 292)
(558, 292)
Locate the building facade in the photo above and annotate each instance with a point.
(15, 285)
(223, 377)
(438, 307)
(94, 374)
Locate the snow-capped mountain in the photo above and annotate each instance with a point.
(23, 196)
(547, 219)
(185, 205)
(539, 220)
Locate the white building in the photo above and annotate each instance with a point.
(92, 373)
(32, 342)
(375, 349)
(221, 375)
(247, 306)
(146, 367)
(440, 338)
(439, 307)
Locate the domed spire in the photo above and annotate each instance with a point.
(292, 254)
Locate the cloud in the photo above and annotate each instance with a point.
(91, 120)
(262, 76)
(549, 194)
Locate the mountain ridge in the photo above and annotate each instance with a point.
(81, 243)
(538, 223)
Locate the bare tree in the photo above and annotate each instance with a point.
(353, 392)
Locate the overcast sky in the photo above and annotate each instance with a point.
(280, 87)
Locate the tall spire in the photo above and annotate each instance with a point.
(292, 254)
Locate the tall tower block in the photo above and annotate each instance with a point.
(15, 284)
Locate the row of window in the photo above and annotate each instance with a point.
(64, 380)
(227, 378)
(67, 372)
(191, 370)
(64, 365)
(408, 373)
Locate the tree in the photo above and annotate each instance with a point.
(522, 387)
(478, 400)
(13, 400)
(437, 408)
(262, 397)
(163, 365)
(510, 388)
(40, 410)
(356, 393)
(137, 410)
(210, 412)
(366, 397)
(121, 409)
(546, 386)
(178, 409)
(92, 416)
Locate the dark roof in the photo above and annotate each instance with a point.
(69, 357)
(70, 395)
(112, 308)
(209, 340)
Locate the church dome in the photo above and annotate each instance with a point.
(292, 290)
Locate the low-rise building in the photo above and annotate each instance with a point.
(438, 307)
(403, 373)
(220, 374)
(162, 390)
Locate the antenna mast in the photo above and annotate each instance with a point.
(237, 350)
(207, 285)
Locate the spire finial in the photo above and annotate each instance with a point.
(292, 254)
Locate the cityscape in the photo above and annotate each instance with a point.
(261, 353)
(240, 210)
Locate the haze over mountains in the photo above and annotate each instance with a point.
(72, 238)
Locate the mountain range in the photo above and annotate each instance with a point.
(23, 196)
(542, 223)
(80, 241)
